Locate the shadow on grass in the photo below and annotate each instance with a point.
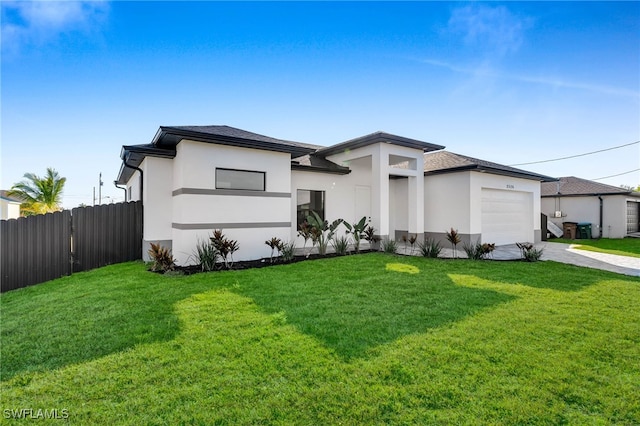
(354, 304)
(89, 315)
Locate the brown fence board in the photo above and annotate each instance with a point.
(39, 248)
(34, 249)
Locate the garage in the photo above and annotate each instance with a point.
(633, 217)
(507, 216)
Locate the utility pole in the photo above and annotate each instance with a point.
(100, 183)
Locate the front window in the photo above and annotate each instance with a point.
(308, 201)
(240, 179)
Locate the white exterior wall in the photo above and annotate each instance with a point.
(587, 209)
(9, 209)
(133, 186)
(378, 158)
(157, 202)
(447, 203)
(399, 211)
(341, 194)
(455, 200)
(249, 217)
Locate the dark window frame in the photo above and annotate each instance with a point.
(264, 179)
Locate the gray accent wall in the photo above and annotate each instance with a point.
(231, 192)
(441, 237)
(239, 225)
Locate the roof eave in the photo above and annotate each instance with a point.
(495, 171)
(170, 136)
(334, 171)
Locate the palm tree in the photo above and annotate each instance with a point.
(39, 195)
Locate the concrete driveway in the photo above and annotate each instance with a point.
(590, 259)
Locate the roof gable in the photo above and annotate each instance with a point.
(378, 137)
(448, 162)
(574, 186)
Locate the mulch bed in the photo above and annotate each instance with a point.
(260, 263)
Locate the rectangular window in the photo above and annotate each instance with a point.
(308, 201)
(240, 179)
(129, 193)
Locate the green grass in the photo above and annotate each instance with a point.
(620, 246)
(369, 339)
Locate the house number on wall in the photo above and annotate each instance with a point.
(511, 186)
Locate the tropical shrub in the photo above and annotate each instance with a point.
(305, 233)
(225, 247)
(287, 251)
(529, 252)
(206, 255)
(370, 235)
(161, 258)
(340, 245)
(429, 248)
(454, 238)
(321, 231)
(275, 244)
(357, 231)
(478, 251)
(389, 246)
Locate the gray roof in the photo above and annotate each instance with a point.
(4, 194)
(572, 186)
(378, 137)
(448, 162)
(226, 135)
(167, 138)
(314, 163)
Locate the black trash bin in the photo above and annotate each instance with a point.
(584, 230)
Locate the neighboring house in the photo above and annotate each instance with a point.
(613, 212)
(194, 179)
(9, 206)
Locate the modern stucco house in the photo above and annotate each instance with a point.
(9, 206)
(613, 212)
(194, 179)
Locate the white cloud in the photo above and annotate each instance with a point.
(493, 28)
(486, 71)
(39, 22)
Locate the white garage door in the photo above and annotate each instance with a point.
(507, 216)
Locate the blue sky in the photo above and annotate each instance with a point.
(509, 82)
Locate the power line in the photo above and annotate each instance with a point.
(619, 174)
(579, 155)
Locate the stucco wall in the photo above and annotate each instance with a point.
(9, 209)
(587, 209)
(447, 203)
(346, 196)
(455, 200)
(250, 217)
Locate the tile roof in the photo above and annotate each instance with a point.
(446, 162)
(571, 185)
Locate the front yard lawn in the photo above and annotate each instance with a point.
(620, 246)
(366, 339)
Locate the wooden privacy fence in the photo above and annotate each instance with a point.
(39, 248)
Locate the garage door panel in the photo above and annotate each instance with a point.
(507, 216)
